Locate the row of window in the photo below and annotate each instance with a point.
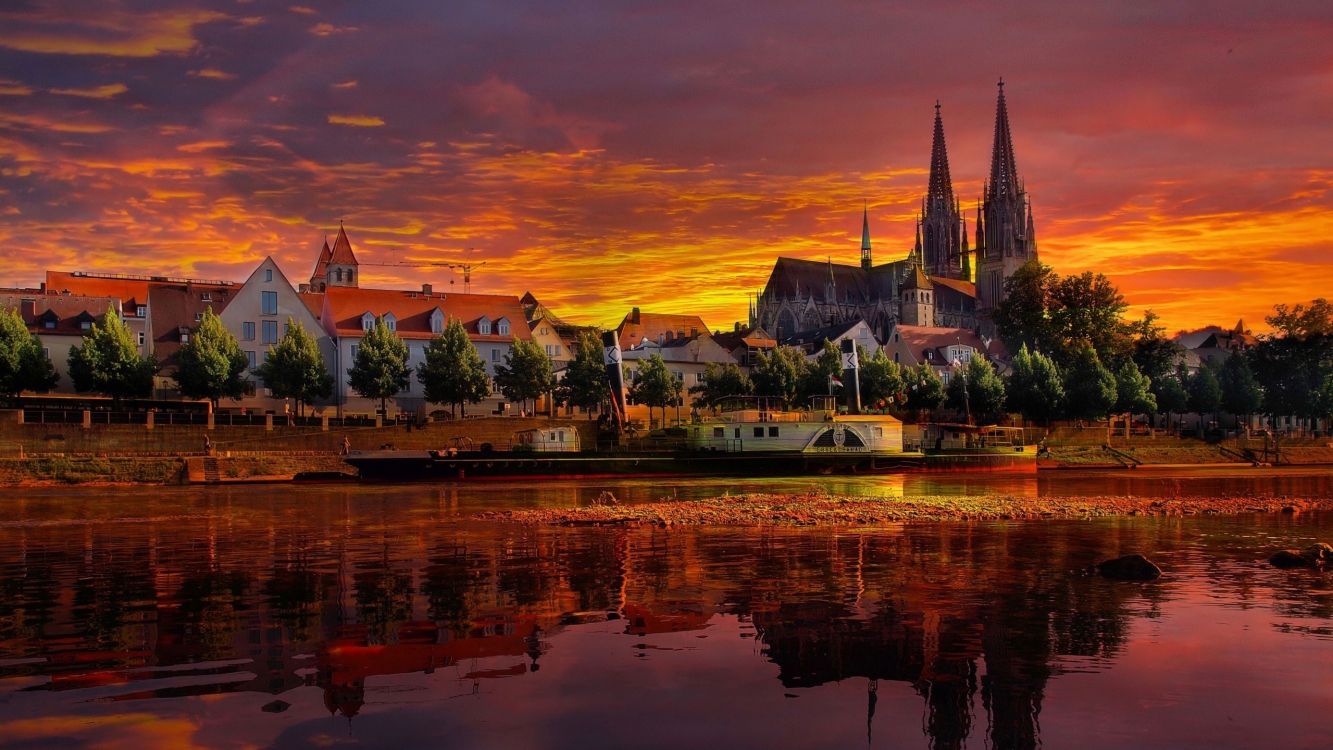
(269, 328)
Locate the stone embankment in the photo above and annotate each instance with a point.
(831, 510)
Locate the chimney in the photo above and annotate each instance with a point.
(28, 309)
(426, 289)
(634, 316)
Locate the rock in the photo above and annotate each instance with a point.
(1288, 558)
(1319, 553)
(1129, 568)
(275, 707)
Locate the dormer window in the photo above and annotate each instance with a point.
(206, 297)
(484, 326)
(141, 311)
(502, 326)
(391, 321)
(50, 325)
(437, 321)
(367, 322)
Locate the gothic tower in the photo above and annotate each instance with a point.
(1006, 238)
(941, 223)
(865, 238)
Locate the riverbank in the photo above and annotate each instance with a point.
(167, 470)
(815, 509)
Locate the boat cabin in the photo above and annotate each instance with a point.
(757, 424)
(547, 440)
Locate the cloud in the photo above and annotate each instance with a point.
(328, 29)
(108, 31)
(107, 91)
(345, 85)
(357, 121)
(303, 10)
(213, 73)
(14, 88)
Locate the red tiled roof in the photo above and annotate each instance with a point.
(652, 325)
(322, 262)
(413, 310)
(342, 250)
(176, 307)
(919, 339)
(68, 310)
(132, 291)
(962, 287)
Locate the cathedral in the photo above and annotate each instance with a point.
(941, 282)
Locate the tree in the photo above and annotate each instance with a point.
(1293, 364)
(1154, 353)
(108, 362)
(1241, 393)
(526, 372)
(584, 384)
(379, 368)
(1021, 318)
(816, 380)
(1090, 388)
(1205, 392)
(24, 365)
(925, 390)
(655, 386)
(1035, 388)
(1088, 308)
(1133, 390)
(721, 381)
(882, 382)
(1172, 396)
(778, 374)
(453, 372)
(295, 368)
(976, 390)
(211, 364)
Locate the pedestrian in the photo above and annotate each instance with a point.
(347, 445)
(208, 445)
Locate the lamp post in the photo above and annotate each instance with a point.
(967, 401)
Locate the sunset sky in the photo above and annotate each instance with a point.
(662, 154)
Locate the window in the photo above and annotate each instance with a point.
(349, 276)
(355, 349)
(141, 338)
(557, 350)
(680, 376)
(206, 297)
(548, 350)
(141, 310)
(185, 338)
(545, 330)
(50, 324)
(268, 303)
(268, 274)
(248, 330)
(286, 327)
(250, 359)
(759, 432)
(495, 355)
(198, 317)
(270, 332)
(738, 433)
(502, 327)
(391, 322)
(895, 356)
(772, 432)
(484, 327)
(85, 325)
(338, 274)
(719, 432)
(367, 322)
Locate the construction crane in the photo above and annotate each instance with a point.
(466, 268)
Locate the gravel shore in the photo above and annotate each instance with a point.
(832, 510)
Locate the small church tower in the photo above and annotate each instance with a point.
(342, 268)
(866, 261)
(918, 299)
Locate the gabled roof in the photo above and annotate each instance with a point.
(131, 290)
(68, 311)
(342, 254)
(965, 288)
(818, 336)
(700, 349)
(651, 326)
(753, 337)
(917, 279)
(413, 311)
(937, 339)
(322, 263)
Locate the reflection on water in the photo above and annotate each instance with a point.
(318, 616)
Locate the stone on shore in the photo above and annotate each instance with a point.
(1129, 568)
(1314, 556)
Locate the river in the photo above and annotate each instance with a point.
(303, 616)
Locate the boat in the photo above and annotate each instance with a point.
(746, 437)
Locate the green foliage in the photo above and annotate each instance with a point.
(815, 377)
(1035, 388)
(453, 372)
(1154, 353)
(24, 365)
(1059, 315)
(882, 381)
(1172, 396)
(295, 368)
(108, 362)
(584, 384)
(211, 364)
(721, 381)
(1324, 398)
(778, 374)
(526, 372)
(1133, 390)
(1241, 392)
(1293, 365)
(977, 390)
(1090, 388)
(655, 386)
(379, 369)
(925, 390)
(1205, 391)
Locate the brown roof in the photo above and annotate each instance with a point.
(958, 285)
(67, 312)
(322, 262)
(174, 309)
(793, 277)
(917, 279)
(638, 326)
(342, 250)
(413, 310)
(131, 290)
(755, 338)
(919, 339)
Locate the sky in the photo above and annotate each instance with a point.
(662, 154)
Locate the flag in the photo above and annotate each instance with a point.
(834, 381)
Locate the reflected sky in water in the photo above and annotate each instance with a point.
(331, 616)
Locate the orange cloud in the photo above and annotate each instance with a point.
(108, 91)
(14, 88)
(213, 73)
(107, 32)
(327, 29)
(356, 121)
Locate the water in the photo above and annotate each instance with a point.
(323, 616)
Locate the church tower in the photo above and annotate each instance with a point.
(866, 261)
(1006, 237)
(941, 223)
(319, 278)
(342, 268)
